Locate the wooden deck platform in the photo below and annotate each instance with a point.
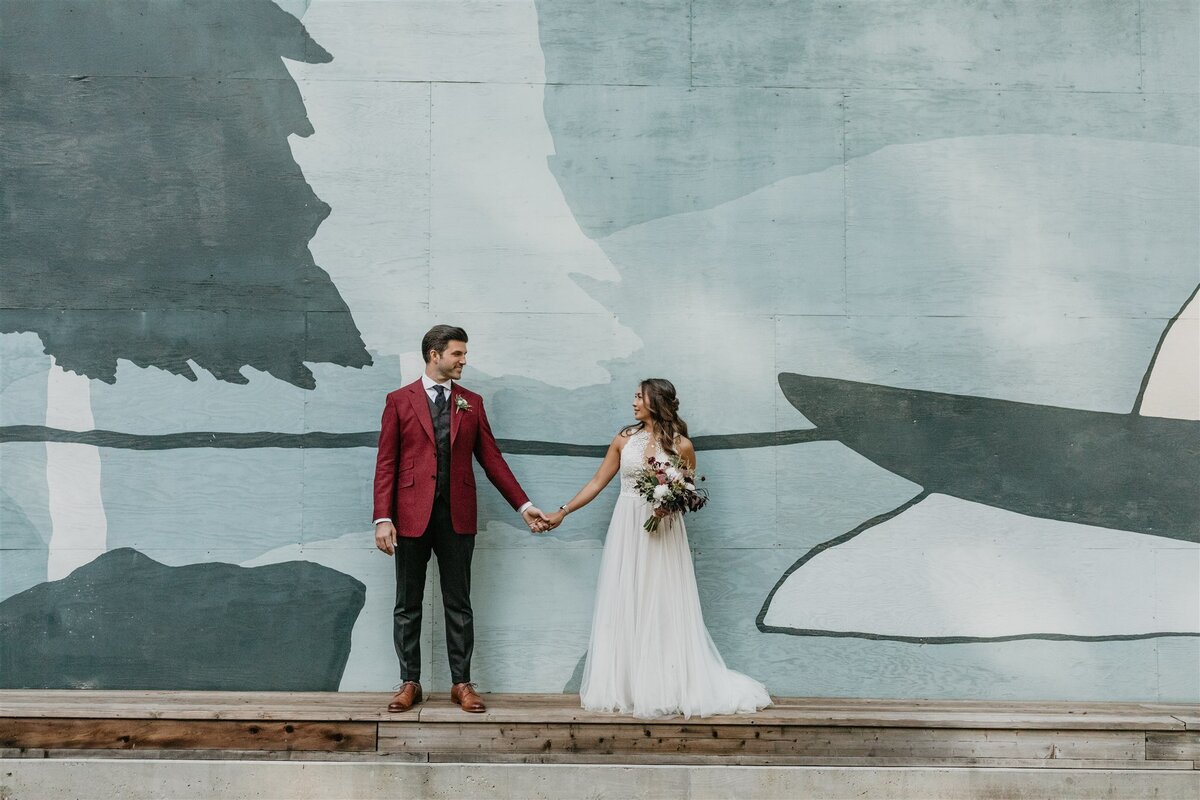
(553, 729)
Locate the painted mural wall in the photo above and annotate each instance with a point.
(923, 271)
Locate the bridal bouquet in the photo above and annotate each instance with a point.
(670, 488)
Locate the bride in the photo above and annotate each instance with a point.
(650, 654)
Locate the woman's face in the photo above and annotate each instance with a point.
(640, 411)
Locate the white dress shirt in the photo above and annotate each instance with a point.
(429, 384)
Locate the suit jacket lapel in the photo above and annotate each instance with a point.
(455, 414)
(420, 404)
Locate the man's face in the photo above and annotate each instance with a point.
(448, 364)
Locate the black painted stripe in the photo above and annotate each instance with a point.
(1053, 637)
(316, 440)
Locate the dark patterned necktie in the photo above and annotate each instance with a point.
(440, 402)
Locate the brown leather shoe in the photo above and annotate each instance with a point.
(465, 696)
(408, 696)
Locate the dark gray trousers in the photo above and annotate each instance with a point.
(454, 553)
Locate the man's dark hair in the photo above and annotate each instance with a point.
(438, 337)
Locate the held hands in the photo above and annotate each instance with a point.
(538, 522)
(535, 519)
(541, 522)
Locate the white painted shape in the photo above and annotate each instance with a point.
(505, 240)
(294, 7)
(428, 40)
(500, 223)
(948, 567)
(1174, 386)
(502, 237)
(79, 528)
(369, 160)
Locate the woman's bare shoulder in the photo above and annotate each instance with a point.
(623, 436)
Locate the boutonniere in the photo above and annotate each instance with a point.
(461, 404)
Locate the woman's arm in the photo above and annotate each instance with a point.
(608, 469)
(687, 453)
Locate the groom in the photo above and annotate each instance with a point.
(425, 503)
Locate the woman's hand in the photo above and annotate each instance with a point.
(555, 519)
(661, 513)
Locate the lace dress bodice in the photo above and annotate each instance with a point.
(633, 460)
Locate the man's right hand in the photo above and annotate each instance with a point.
(385, 537)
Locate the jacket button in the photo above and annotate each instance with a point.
(434, 477)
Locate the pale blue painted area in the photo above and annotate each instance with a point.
(1062, 361)
(647, 42)
(775, 85)
(625, 155)
(24, 508)
(239, 503)
(984, 198)
(23, 551)
(335, 494)
(913, 44)
(23, 368)
(24, 516)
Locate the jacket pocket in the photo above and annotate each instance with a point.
(405, 478)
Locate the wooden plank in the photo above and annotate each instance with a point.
(800, 761)
(559, 708)
(641, 759)
(1173, 746)
(186, 735)
(284, 706)
(231, 755)
(1190, 720)
(823, 711)
(830, 741)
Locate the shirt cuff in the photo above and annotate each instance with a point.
(521, 510)
(383, 519)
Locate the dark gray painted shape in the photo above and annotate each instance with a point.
(156, 213)
(125, 621)
(1120, 471)
(322, 439)
(575, 683)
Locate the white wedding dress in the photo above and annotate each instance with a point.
(650, 654)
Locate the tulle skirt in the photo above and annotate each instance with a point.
(650, 654)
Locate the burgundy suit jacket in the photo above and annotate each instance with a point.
(406, 465)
